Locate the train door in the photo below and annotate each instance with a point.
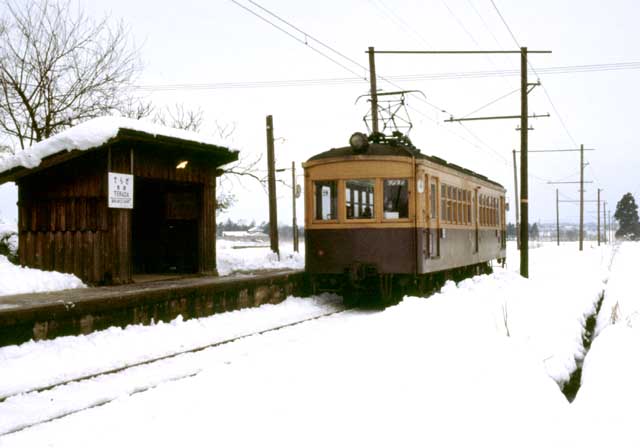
(434, 218)
(503, 223)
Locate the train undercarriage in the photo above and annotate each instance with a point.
(362, 286)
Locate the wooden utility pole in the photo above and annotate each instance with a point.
(524, 129)
(557, 217)
(524, 173)
(517, 198)
(374, 91)
(273, 208)
(294, 193)
(604, 219)
(599, 190)
(581, 195)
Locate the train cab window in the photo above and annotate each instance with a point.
(396, 198)
(359, 198)
(326, 200)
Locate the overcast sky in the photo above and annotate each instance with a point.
(215, 43)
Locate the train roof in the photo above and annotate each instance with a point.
(392, 148)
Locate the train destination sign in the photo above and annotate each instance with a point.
(120, 190)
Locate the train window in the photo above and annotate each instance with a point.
(443, 202)
(454, 203)
(396, 198)
(432, 201)
(359, 198)
(450, 217)
(326, 200)
(463, 205)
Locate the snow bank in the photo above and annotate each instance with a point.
(38, 364)
(232, 260)
(606, 407)
(17, 280)
(91, 134)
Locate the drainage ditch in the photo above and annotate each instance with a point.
(570, 389)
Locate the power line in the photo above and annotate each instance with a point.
(306, 34)
(397, 78)
(492, 102)
(295, 37)
(399, 21)
(505, 23)
(473, 39)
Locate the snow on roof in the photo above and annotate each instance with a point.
(91, 134)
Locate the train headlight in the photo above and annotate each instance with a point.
(359, 142)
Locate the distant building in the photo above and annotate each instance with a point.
(113, 199)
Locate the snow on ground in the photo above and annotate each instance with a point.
(476, 365)
(606, 407)
(17, 280)
(253, 256)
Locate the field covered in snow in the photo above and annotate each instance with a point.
(481, 363)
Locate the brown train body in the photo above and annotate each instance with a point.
(391, 218)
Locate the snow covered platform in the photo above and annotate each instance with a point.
(80, 311)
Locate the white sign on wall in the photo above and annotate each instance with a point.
(120, 190)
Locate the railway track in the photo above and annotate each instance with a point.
(40, 394)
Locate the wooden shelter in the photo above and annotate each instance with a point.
(67, 220)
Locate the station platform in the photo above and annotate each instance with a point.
(47, 315)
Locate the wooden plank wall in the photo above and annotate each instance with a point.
(207, 234)
(65, 223)
(63, 219)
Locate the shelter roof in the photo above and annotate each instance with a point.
(100, 132)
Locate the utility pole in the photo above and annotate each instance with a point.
(524, 173)
(517, 201)
(273, 210)
(374, 91)
(524, 128)
(611, 234)
(294, 193)
(604, 218)
(599, 190)
(581, 194)
(557, 218)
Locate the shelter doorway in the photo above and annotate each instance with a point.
(165, 227)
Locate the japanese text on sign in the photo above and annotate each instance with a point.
(120, 190)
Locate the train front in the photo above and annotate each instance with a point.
(359, 214)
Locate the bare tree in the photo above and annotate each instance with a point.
(58, 68)
(180, 117)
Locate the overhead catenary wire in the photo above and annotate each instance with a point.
(399, 21)
(382, 78)
(634, 65)
(307, 37)
(295, 37)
